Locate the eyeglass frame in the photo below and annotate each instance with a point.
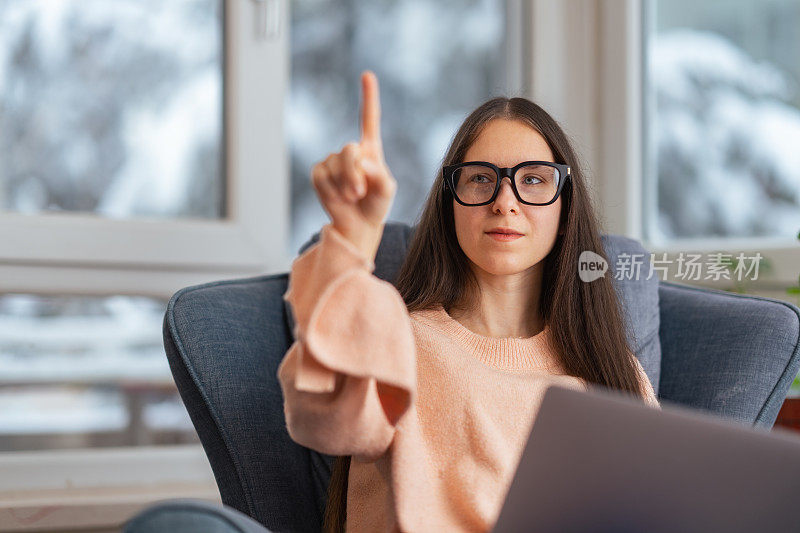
(504, 172)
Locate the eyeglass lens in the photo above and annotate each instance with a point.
(537, 184)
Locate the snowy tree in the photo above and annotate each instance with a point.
(726, 136)
(111, 107)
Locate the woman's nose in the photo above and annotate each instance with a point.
(505, 196)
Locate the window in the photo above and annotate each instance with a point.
(611, 73)
(435, 62)
(141, 151)
(724, 118)
(720, 114)
(81, 372)
(127, 163)
(113, 108)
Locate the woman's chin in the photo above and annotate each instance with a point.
(503, 268)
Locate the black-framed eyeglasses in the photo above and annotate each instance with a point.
(478, 182)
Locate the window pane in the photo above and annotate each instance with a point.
(435, 62)
(112, 107)
(724, 121)
(86, 371)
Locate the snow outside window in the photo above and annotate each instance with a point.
(113, 108)
(723, 124)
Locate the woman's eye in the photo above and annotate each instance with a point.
(480, 176)
(531, 178)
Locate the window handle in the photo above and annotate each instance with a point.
(268, 19)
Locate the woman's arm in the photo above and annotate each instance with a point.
(351, 372)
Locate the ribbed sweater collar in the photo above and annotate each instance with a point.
(505, 353)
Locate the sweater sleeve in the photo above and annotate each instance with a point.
(650, 395)
(350, 374)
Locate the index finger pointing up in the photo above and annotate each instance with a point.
(370, 110)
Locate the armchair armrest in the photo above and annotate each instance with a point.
(731, 354)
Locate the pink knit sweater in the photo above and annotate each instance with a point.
(435, 416)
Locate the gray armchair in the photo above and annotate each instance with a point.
(728, 354)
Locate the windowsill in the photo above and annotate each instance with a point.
(89, 508)
(97, 489)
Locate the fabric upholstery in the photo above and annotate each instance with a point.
(729, 354)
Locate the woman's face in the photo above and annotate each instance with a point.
(507, 143)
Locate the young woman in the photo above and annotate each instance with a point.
(427, 389)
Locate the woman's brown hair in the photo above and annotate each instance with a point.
(585, 319)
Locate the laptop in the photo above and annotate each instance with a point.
(601, 461)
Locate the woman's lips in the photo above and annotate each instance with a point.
(504, 236)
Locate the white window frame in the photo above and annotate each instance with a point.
(83, 254)
(587, 61)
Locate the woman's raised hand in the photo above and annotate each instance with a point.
(354, 185)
